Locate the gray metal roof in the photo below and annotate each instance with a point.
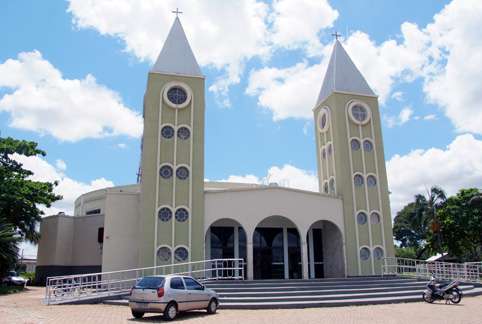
(343, 76)
(176, 56)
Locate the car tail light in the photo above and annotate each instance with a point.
(160, 292)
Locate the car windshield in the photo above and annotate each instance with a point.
(150, 282)
(12, 274)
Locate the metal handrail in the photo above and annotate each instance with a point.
(61, 289)
(468, 271)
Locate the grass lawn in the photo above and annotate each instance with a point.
(5, 290)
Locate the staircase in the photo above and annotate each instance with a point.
(236, 294)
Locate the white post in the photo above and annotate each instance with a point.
(249, 256)
(304, 258)
(236, 250)
(285, 253)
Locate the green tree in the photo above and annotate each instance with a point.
(417, 226)
(461, 224)
(20, 197)
(8, 246)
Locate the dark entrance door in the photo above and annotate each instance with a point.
(317, 253)
(268, 253)
(294, 254)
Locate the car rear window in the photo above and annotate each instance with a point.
(150, 282)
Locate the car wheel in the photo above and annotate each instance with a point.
(170, 312)
(212, 306)
(137, 314)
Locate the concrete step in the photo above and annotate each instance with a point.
(287, 283)
(416, 297)
(321, 297)
(312, 292)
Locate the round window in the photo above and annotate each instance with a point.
(375, 218)
(182, 214)
(358, 180)
(367, 145)
(378, 253)
(182, 173)
(359, 113)
(361, 218)
(164, 254)
(183, 133)
(165, 171)
(177, 95)
(371, 181)
(167, 132)
(164, 214)
(355, 144)
(364, 253)
(323, 119)
(181, 254)
(332, 185)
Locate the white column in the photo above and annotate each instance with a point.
(312, 253)
(304, 258)
(285, 253)
(236, 248)
(249, 257)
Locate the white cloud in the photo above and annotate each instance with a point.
(289, 92)
(403, 117)
(41, 100)
(297, 23)
(61, 165)
(430, 117)
(457, 166)
(69, 188)
(286, 176)
(397, 95)
(454, 78)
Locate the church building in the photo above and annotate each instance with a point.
(172, 215)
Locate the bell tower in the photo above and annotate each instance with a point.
(172, 158)
(351, 163)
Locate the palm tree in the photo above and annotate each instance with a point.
(426, 215)
(8, 246)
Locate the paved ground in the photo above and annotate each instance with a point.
(26, 307)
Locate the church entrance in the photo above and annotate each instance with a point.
(325, 251)
(226, 239)
(276, 250)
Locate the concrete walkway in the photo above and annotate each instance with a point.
(26, 307)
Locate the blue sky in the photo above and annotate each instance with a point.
(248, 131)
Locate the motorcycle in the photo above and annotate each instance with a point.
(448, 292)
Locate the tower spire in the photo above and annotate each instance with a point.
(342, 75)
(176, 56)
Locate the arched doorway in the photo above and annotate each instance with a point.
(226, 239)
(325, 250)
(276, 249)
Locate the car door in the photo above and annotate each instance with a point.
(178, 292)
(197, 296)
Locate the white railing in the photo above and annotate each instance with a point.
(63, 289)
(468, 272)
